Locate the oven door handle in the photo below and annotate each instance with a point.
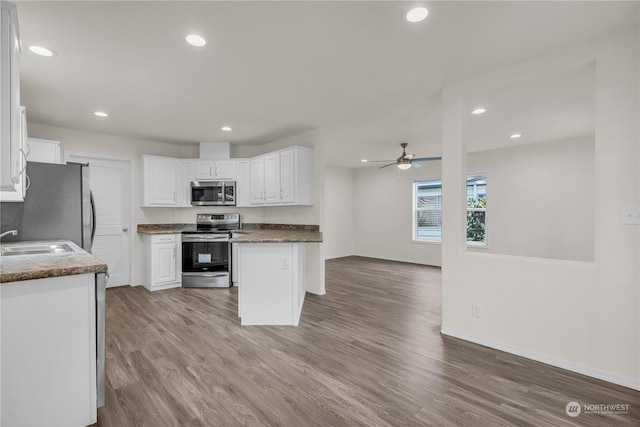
(206, 274)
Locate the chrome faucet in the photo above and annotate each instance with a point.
(12, 232)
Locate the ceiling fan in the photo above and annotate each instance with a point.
(405, 161)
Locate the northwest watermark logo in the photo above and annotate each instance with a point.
(573, 409)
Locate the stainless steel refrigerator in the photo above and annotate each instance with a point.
(58, 205)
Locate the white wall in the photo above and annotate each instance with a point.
(341, 217)
(540, 199)
(583, 316)
(384, 212)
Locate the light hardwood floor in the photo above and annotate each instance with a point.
(368, 353)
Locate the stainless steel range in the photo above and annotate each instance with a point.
(206, 251)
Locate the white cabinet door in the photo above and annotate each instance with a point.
(186, 174)
(49, 352)
(287, 176)
(284, 177)
(161, 261)
(12, 116)
(205, 169)
(160, 181)
(44, 151)
(225, 170)
(272, 178)
(164, 263)
(243, 184)
(216, 170)
(257, 180)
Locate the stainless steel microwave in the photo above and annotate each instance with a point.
(213, 193)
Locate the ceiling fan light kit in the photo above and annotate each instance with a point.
(405, 161)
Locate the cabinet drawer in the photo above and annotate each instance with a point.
(163, 238)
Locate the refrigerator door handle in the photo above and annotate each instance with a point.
(93, 217)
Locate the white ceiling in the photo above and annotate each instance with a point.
(357, 69)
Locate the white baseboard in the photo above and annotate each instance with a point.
(559, 363)
(322, 292)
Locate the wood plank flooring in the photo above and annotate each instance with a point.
(368, 353)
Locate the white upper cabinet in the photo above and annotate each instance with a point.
(12, 117)
(283, 177)
(160, 178)
(272, 179)
(216, 170)
(44, 151)
(186, 174)
(280, 178)
(287, 176)
(265, 179)
(256, 173)
(243, 184)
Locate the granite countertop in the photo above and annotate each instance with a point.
(250, 233)
(17, 268)
(164, 228)
(275, 236)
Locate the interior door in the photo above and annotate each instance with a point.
(110, 185)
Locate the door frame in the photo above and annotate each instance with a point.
(69, 157)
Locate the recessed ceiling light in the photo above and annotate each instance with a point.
(42, 51)
(101, 114)
(226, 128)
(196, 40)
(515, 136)
(417, 14)
(479, 111)
(364, 160)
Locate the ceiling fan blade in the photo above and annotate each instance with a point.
(386, 166)
(426, 159)
(415, 164)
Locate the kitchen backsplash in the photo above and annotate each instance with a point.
(259, 215)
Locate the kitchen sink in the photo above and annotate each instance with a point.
(55, 248)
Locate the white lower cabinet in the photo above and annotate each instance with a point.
(161, 261)
(49, 352)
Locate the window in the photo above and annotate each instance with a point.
(427, 220)
(428, 210)
(476, 209)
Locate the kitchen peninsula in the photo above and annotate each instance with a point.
(272, 268)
